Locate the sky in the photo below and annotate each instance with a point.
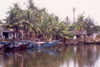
(61, 8)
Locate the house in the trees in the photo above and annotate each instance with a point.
(96, 36)
(79, 34)
(6, 33)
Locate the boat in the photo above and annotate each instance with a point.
(18, 45)
(45, 44)
(4, 45)
(31, 45)
(23, 46)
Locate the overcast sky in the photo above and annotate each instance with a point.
(61, 8)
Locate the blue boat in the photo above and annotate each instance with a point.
(23, 45)
(31, 45)
(18, 45)
(44, 45)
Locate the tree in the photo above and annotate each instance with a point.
(89, 25)
(13, 19)
(0, 21)
(28, 22)
(36, 21)
(79, 23)
(97, 28)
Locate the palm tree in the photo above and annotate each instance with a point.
(51, 28)
(80, 23)
(27, 21)
(35, 21)
(12, 21)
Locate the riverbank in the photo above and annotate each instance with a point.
(61, 43)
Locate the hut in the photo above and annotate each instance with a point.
(96, 36)
(79, 34)
(8, 33)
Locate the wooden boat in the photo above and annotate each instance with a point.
(23, 46)
(44, 44)
(31, 45)
(18, 46)
(3, 45)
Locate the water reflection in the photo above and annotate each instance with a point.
(71, 56)
(81, 56)
(28, 58)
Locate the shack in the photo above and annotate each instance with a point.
(79, 34)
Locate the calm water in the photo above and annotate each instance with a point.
(71, 56)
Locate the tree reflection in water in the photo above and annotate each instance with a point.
(71, 56)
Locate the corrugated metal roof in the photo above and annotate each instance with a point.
(5, 30)
(83, 32)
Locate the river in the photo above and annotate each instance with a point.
(70, 56)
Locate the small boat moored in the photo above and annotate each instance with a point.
(4, 45)
(45, 44)
(18, 45)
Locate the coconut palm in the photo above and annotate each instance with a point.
(35, 21)
(61, 31)
(13, 18)
(80, 23)
(51, 28)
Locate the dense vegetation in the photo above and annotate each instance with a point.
(36, 22)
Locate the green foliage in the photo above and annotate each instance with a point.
(0, 21)
(44, 25)
(71, 27)
(98, 36)
(70, 34)
(83, 23)
(97, 28)
(36, 21)
(89, 25)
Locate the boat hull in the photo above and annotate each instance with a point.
(31, 45)
(4, 46)
(44, 45)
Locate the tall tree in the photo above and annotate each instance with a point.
(89, 25)
(80, 23)
(13, 18)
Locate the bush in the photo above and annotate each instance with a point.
(70, 34)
